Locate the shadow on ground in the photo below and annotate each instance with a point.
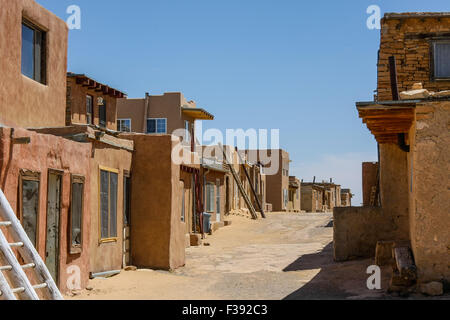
(335, 281)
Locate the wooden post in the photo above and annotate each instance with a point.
(393, 73)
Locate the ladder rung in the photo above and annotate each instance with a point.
(18, 290)
(5, 223)
(25, 266)
(16, 244)
(40, 286)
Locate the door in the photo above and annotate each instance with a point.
(53, 216)
(217, 200)
(126, 221)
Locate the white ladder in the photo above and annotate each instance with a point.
(22, 288)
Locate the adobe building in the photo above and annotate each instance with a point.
(277, 181)
(91, 103)
(33, 73)
(294, 195)
(331, 196)
(160, 114)
(346, 198)
(312, 196)
(370, 185)
(414, 138)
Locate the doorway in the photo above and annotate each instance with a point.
(53, 221)
(126, 220)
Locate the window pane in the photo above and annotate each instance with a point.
(113, 205)
(442, 60)
(30, 207)
(125, 125)
(102, 115)
(27, 51)
(77, 209)
(161, 125)
(151, 126)
(104, 203)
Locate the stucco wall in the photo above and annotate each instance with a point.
(157, 233)
(107, 256)
(357, 231)
(394, 188)
(23, 101)
(430, 192)
(46, 152)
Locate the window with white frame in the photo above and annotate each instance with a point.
(124, 125)
(441, 59)
(210, 197)
(156, 125)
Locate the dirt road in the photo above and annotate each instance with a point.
(286, 256)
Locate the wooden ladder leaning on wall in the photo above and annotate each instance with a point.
(22, 288)
(239, 184)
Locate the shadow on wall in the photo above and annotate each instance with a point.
(335, 281)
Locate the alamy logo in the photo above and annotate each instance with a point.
(74, 279)
(374, 281)
(373, 22)
(74, 20)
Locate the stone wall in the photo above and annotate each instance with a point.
(357, 231)
(409, 40)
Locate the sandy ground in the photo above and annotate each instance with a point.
(286, 256)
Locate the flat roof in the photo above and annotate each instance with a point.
(416, 15)
(197, 113)
(84, 80)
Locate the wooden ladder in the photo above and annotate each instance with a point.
(239, 184)
(19, 285)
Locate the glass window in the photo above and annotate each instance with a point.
(76, 211)
(30, 207)
(108, 204)
(33, 52)
(157, 126)
(102, 114)
(89, 109)
(124, 125)
(210, 197)
(442, 59)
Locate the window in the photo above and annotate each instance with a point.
(285, 197)
(89, 110)
(124, 125)
(102, 112)
(33, 52)
(108, 204)
(441, 59)
(157, 126)
(218, 196)
(127, 200)
(187, 131)
(210, 197)
(29, 203)
(76, 214)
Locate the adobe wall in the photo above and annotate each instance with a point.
(408, 40)
(132, 109)
(430, 195)
(357, 231)
(76, 103)
(42, 153)
(394, 188)
(23, 101)
(369, 180)
(157, 233)
(107, 256)
(307, 198)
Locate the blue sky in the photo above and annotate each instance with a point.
(297, 66)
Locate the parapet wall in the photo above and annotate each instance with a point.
(357, 231)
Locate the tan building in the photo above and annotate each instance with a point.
(346, 198)
(312, 196)
(91, 102)
(294, 204)
(33, 60)
(413, 139)
(160, 115)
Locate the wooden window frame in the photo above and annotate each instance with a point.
(43, 54)
(433, 43)
(119, 124)
(28, 175)
(74, 178)
(109, 239)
